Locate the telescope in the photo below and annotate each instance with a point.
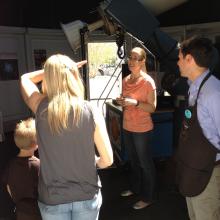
(136, 18)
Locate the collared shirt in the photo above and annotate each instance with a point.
(208, 107)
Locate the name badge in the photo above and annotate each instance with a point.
(188, 113)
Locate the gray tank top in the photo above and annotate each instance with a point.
(68, 170)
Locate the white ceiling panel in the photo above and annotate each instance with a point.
(160, 6)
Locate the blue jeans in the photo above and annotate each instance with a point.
(79, 210)
(142, 173)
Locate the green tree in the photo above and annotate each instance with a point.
(101, 54)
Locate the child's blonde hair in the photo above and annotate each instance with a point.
(25, 134)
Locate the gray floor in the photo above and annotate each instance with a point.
(169, 205)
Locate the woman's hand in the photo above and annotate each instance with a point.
(119, 100)
(81, 63)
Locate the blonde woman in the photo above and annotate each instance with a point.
(68, 129)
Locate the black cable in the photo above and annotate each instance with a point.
(120, 43)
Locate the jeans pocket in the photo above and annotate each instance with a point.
(95, 203)
(52, 209)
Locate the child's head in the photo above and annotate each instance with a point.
(25, 134)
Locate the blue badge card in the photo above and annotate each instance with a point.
(188, 113)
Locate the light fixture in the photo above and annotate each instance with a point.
(72, 31)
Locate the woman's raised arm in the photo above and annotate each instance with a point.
(29, 90)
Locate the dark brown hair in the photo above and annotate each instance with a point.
(200, 48)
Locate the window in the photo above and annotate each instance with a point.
(104, 73)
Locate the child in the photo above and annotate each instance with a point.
(21, 176)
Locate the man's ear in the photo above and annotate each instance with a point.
(81, 63)
(189, 58)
